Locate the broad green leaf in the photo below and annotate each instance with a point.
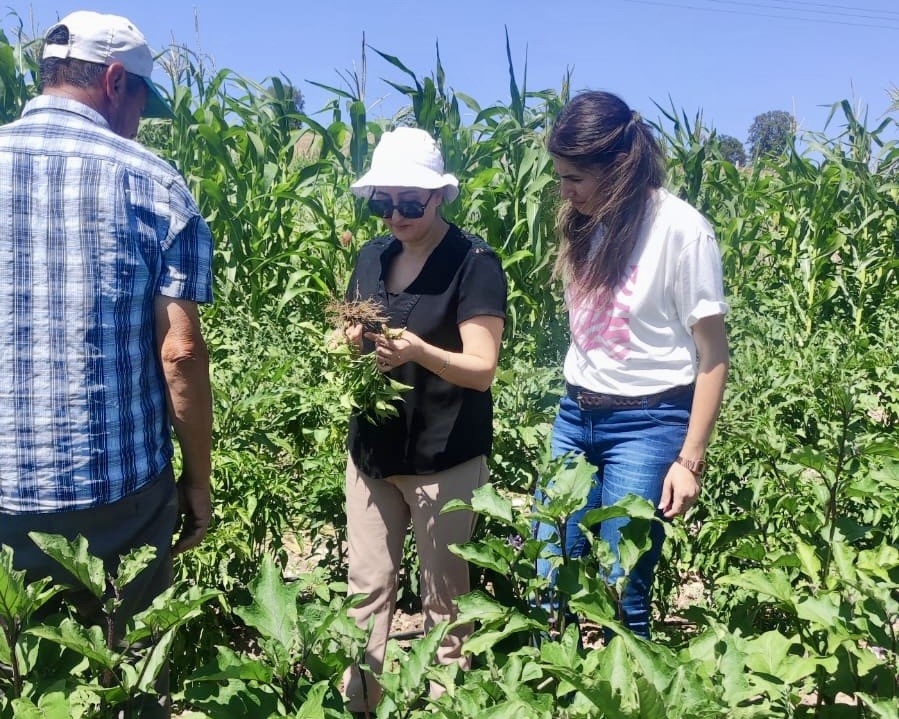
(487, 501)
(723, 654)
(152, 662)
(809, 561)
(273, 612)
(811, 458)
(594, 517)
(479, 606)
(595, 600)
(583, 682)
(568, 487)
(771, 654)
(773, 583)
(635, 541)
(75, 558)
(884, 448)
(25, 709)
(886, 708)
(617, 671)
(879, 562)
(53, 705)
(313, 704)
(409, 683)
(132, 564)
(12, 586)
(89, 642)
(175, 606)
(638, 507)
(234, 700)
(5, 649)
(484, 640)
(19, 600)
(565, 651)
(692, 694)
(651, 699)
(490, 554)
(516, 708)
(822, 611)
(844, 561)
(653, 661)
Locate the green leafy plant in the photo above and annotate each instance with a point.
(298, 650)
(119, 663)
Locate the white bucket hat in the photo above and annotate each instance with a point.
(407, 157)
(105, 39)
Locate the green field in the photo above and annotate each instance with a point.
(778, 595)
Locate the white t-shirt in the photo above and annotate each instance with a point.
(641, 342)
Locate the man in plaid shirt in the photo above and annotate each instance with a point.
(104, 258)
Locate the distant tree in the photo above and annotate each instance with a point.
(771, 133)
(288, 98)
(297, 98)
(732, 149)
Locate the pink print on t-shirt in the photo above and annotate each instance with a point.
(606, 328)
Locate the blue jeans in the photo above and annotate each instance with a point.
(632, 450)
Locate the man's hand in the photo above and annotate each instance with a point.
(195, 509)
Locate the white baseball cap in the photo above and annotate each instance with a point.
(105, 39)
(407, 157)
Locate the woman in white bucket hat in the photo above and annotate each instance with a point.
(448, 290)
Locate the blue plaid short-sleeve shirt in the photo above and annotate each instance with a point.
(92, 228)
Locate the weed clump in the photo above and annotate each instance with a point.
(367, 391)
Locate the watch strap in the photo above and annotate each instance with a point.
(696, 466)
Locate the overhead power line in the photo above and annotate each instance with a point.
(832, 9)
(879, 11)
(781, 15)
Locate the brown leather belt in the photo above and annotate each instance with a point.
(596, 400)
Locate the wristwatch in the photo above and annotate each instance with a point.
(696, 466)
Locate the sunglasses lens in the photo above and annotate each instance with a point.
(411, 209)
(381, 208)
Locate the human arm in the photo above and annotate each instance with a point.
(185, 366)
(681, 487)
(474, 367)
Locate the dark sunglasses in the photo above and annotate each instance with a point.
(410, 209)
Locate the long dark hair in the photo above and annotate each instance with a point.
(599, 134)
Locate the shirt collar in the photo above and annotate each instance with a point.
(66, 104)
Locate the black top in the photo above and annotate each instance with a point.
(440, 424)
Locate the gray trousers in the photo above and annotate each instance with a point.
(147, 517)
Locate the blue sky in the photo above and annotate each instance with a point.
(732, 59)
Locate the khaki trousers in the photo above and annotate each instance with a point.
(378, 515)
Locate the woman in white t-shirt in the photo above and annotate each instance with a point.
(648, 360)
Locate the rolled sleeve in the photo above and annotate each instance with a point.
(186, 252)
(700, 285)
